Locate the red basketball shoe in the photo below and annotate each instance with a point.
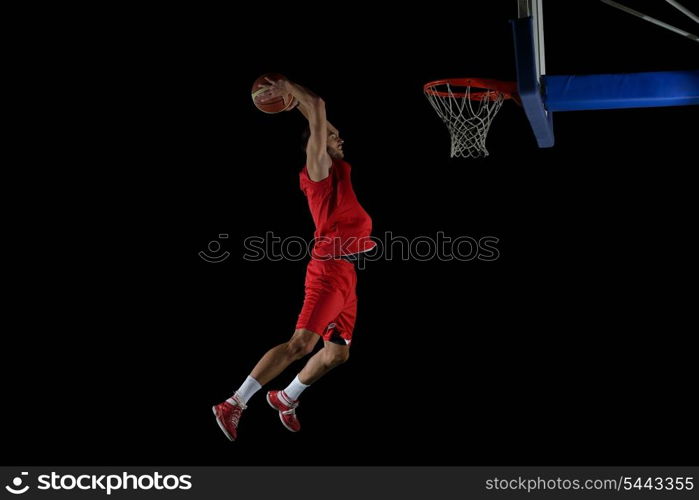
(287, 409)
(228, 416)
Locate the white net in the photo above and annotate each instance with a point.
(467, 115)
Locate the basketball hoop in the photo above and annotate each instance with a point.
(467, 106)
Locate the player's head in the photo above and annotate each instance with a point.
(334, 143)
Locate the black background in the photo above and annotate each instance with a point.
(572, 348)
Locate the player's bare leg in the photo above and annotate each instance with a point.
(272, 364)
(330, 356)
(278, 358)
(286, 401)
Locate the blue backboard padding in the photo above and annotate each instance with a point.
(628, 90)
(528, 82)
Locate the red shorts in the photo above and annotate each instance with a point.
(330, 305)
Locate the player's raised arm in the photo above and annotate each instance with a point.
(311, 106)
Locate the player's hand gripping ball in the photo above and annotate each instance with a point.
(270, 95)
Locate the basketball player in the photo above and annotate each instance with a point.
(329, 309)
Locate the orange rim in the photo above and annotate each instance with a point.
(491, 88)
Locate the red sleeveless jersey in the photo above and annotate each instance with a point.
(342, 226)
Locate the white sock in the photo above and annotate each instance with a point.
(249, 387)
(295, 388)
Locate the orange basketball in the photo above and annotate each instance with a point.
(275, 104)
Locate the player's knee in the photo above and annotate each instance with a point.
(296, 349)
(338, 357)
(301, 344)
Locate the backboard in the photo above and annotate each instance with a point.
(530, 59)
(542, 94)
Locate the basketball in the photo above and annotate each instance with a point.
(270, 105)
